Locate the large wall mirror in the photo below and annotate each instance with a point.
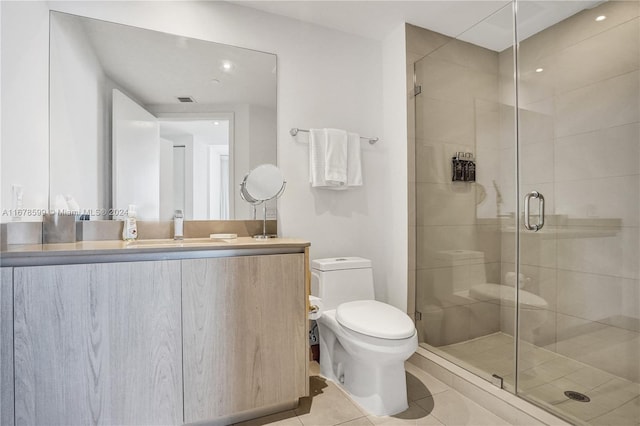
(157, 120)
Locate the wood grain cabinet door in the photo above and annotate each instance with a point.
(98, 344)
(6, 346)
(245, 331)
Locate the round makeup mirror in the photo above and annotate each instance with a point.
(263, 183)
(260, 185)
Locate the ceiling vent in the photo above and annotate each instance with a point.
(186, 99)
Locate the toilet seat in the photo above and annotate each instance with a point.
(375, 319)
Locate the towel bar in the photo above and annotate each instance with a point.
(294, 131)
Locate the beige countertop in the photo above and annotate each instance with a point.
(141, 250)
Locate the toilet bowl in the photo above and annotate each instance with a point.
(363, 342)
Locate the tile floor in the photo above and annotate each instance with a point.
(431, 402)
(545, 375)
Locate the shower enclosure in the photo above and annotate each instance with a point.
(529, 275)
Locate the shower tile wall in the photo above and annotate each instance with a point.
(580, 147)
(456, 111)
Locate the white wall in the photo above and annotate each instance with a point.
(136, 158)
(185, 170)
(179, 179)
(325, 79)
(201, 179)
(262, 135)
(1, 127)
(25, 93)
(394, 161)
(167, 204)
(239, 160)
(79, 115)
(215, 180)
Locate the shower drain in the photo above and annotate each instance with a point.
(577, 396)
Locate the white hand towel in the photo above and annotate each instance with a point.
(354, 160)
(317, 153)
(336, 157)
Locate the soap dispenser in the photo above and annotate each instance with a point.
(178, 225)
(130, 228)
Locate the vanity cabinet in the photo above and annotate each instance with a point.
(98, 344)
(244, 334)
(6, 346)
(166, 338)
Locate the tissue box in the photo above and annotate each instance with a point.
(58, 228)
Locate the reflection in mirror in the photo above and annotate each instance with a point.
(264, 183)
(212, 170)
(160, 121)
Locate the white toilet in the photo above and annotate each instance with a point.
(363, 343)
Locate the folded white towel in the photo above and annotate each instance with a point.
(336, 157)
(345, 154)
(354, 160)
(317, 153)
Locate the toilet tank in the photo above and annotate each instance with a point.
(341, 279)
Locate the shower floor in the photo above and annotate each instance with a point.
(546, 375)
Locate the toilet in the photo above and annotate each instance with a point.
(363, 342)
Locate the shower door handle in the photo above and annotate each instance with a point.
(527, 202)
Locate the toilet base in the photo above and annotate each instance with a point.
(390, 396)
(380, 390)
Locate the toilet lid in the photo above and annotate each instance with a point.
(375, 319)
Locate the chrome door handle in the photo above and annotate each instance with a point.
(527, 201)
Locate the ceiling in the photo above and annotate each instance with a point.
(208, 132)
(466, 20)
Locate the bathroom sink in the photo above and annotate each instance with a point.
(175, 243)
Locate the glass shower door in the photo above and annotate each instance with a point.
(578, 276)
(563, 293)
(465, 195)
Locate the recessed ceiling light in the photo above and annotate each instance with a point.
(226, 66)
(601, 18)
(216, 123)
(539, 69)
